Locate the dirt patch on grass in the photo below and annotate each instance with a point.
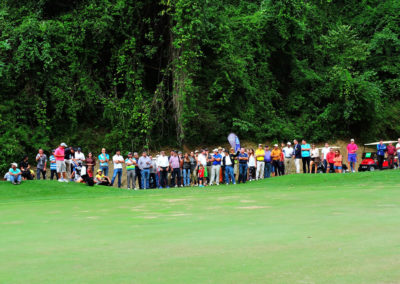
(175, 200)
(253, 207)
(247, 201)
(150, 217)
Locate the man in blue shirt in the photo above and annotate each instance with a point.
(305, 156)
(15, 174)
(267, 160)
(103, 159)
(381, 153)
(216, 167)
(243, 159)
(53, 166)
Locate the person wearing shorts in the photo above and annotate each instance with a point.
(338, 162)
(352, 155)
(60, 163)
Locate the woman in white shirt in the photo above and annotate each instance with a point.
(315, 159)
(252, 165)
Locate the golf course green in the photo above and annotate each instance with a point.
(333, 228)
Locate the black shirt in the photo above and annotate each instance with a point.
(297, 151)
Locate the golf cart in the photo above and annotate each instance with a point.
(370, 161)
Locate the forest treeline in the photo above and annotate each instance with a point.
(129, 73)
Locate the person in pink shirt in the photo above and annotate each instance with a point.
(60, 163)
(352, 155)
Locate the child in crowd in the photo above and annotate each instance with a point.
(201, 174)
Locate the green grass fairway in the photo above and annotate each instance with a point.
(342, 228)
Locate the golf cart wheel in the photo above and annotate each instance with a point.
(371, 169)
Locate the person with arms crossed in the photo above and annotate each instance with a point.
(118, 160)
(243, 159)
(103, 160)
(305, 156)
(130, 163)
(288, 152)
(216, 167)
(145, 163)
(381, 149)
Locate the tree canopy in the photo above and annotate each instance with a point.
(129, 74)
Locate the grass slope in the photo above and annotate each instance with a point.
(293, 229)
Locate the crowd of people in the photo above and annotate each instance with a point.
(198, 168)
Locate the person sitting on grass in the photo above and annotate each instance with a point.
(15, 174)
(102, 179)
(338, 162)
(201, 175)
(26, 169)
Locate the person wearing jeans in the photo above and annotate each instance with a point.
(14, 174)
(103, 159)
(228, 164)
(163, 165)
(186, 170)
(118, 160)
(41, 158)
(145, 163)
(242, 158)
(267, 161)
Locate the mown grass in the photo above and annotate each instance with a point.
(293, 229)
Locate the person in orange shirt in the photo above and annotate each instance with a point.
(276, 157)
(338, 162)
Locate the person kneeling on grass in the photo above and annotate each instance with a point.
(15, 174)
(102, 179)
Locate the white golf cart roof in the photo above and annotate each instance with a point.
(376, 143)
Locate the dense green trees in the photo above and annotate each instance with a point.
(126, 73)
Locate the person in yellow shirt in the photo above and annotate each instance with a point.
(260, 153)
(276, 156)
(102, 179)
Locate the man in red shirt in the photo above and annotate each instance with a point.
(330, 158)
(60, 163)
(390, 150)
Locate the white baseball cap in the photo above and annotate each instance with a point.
(63, 144)
(289, 143)
(276, 145)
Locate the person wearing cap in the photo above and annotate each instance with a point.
(163, 165)
(228, 164)
(305, 156)
(79, 157)
(297, 155)
(15, 174)
(61, 168)
(243, 158)
(53, 166)
(352, 155)
(260, 153)
(276, 156)
(41, 166)
(175, 166)
(288, 152)
(215, 168)
(118, 160)
(381, 149)
(267, 162)
(102, 179)
(103, 160)
(130, 163)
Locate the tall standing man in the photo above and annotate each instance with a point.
(118, 160)
(41, 158)
(305, 156)
(130, 163)
(216, 167)
(352, 155)
(381, 149)
(288, 152)
(104, 158)
(297, 155)
(145, 164)
(163, 165)
(60, 163)
(260, 153)
(268, 162)
(243, 159)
